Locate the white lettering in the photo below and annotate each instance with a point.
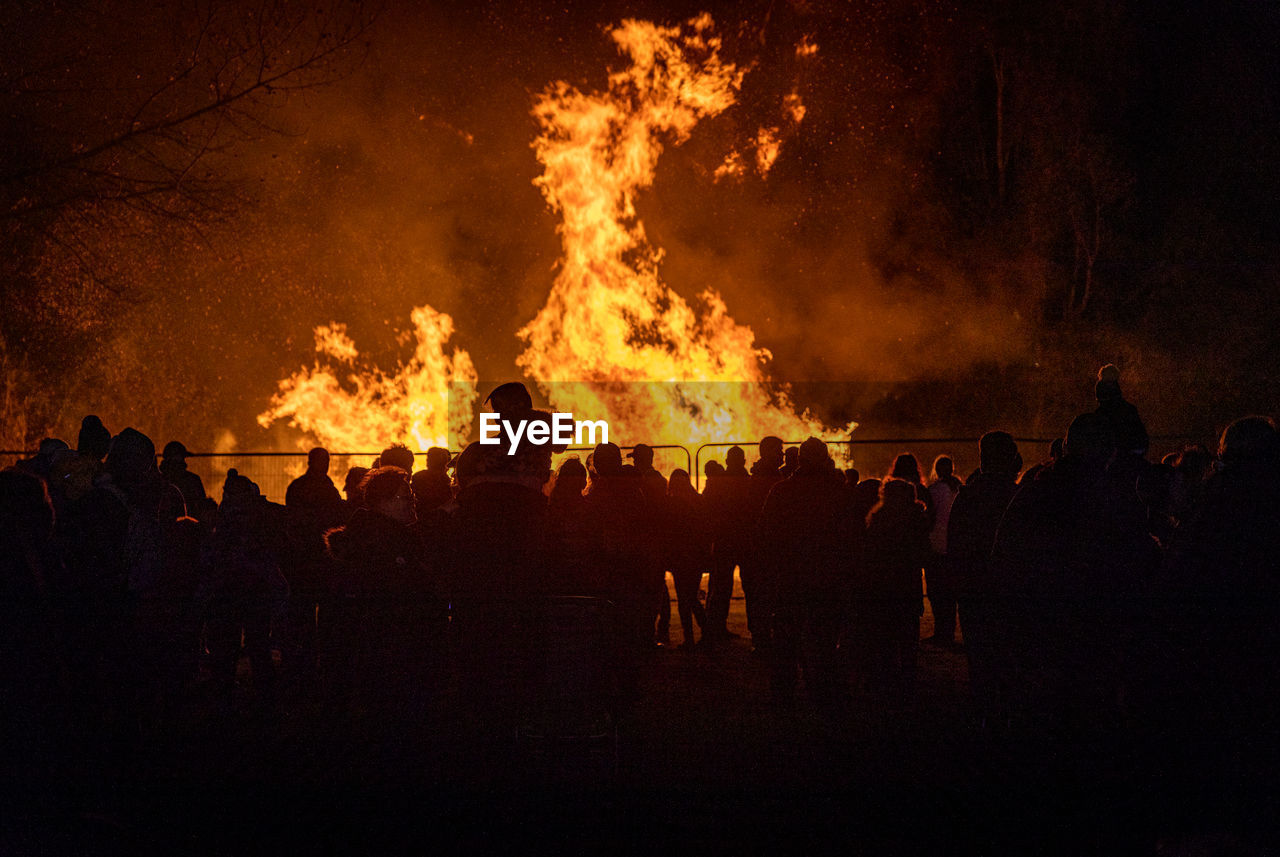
(591, 429)
(563, 428)
(514, 435)
(538, 432)
(490, 433)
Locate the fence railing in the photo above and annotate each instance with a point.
(273, 471)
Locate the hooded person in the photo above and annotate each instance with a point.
(94, 440)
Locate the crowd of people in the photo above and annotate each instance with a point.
(1089, 589)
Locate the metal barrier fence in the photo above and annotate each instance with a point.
(273, 471)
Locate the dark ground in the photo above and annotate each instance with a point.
(705, 764)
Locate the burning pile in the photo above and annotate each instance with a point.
(613, 341)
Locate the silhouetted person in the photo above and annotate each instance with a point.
(650, 519)
(573, 548)
(94, 439)
(756, 587)
(614, 502)
(1122, 417)
(173, 466)
(790, 461)
(890, 600)
(1069, 564)
(728, 501)
(314, 507)
(432, 487)
(351, 488)
(804, 563)
(939, 580)
(1225, 617)
(243, 588)
(41, 463)
(33, 696)
(688, 551)
(388, 603)
(397, 455)
(971, 533)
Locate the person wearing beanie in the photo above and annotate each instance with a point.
(1127, 427)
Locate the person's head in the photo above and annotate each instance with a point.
(1249, 443)
(175, 453)
(1055, 448)
(851, 476)
(1108, 386)
(75, 473)
(397, 455)
(438, 459)
(679, 482)
(998, 454)
(735, 458)
(1090, 438)
(386, 491)
(712, 469)
(571, 478)
(431, 490)
(812, 453)
(897, 497)
(132, 457)
(943, 467)
(1194, 463)
(770, 450)
(510, 398)
(897, 493)
(94, 440)
(607, 459)
(906, 467)
(237, 488)
(351, 485)
(25, 508)
(318, 460)
(642, 455)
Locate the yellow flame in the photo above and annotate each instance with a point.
(768, 146)
(610, 317)
(420, 404)
(795, 107)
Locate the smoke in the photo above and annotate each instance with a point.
(411, 183)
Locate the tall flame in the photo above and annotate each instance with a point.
(610, 317)
(423, 403)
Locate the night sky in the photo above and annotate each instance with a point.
(882, 254)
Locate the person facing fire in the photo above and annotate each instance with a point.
(765, 473)
(804, 563)
(653, 492)
(688, 551)
(173, 466)
(731, 524)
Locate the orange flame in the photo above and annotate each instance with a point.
(420, 404)
(610, 317)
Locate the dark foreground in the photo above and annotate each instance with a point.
(704, 763)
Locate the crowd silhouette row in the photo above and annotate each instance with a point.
(1092, 589)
